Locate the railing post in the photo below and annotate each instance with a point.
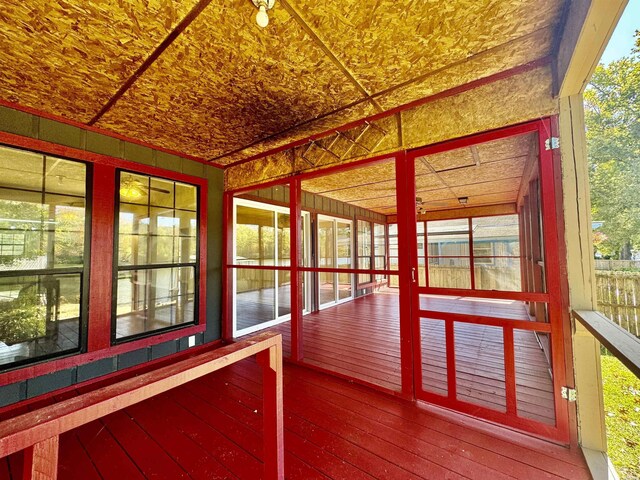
(273, 435)
(41, 460)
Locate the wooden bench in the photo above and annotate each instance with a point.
(37, 432)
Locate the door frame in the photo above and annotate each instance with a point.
(560, 431)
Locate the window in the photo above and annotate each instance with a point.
(156, 256)
(43, 214)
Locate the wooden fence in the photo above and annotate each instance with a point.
(617, 265)
(619, 298)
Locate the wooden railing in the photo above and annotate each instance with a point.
(617, 340)
(619, 298)
(38, 432)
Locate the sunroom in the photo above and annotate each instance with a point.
(388, 195)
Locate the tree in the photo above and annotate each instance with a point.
(612, 114)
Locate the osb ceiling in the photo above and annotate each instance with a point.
(200, 78)
(487, 174)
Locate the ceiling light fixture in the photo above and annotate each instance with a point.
(463, 200)
(262, 17)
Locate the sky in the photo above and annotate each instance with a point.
(621, 41)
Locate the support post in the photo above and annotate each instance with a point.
(273, 435)
(41, 460)
(581, 272)
(295, 211)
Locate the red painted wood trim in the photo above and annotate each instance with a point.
(202, 253)
(227, 259)
(542, 430)
(31, 428)
(416, 103)
(482, 320)
(452, 388)
(347, 270)
(297, 334)
(406, 234)
(552, 271)
(497, 294)
(101, 264)
(510, 370)
(101, 131)
(564, 284)
(472, 266)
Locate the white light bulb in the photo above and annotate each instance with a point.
(262, 19)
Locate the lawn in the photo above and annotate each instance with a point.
(622, 410)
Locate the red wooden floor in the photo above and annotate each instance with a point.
(211, 428)
(361, 339)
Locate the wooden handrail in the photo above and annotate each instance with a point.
(624, 345)
(38, 432)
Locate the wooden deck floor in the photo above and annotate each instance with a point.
(211, 428)
(361, 340)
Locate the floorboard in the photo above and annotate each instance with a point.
(334, 429)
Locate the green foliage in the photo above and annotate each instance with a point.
(612, 114)
(622, 410)
(22, 319)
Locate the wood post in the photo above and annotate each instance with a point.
(273, 434)
(41, 460)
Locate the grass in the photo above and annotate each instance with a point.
(622, 410)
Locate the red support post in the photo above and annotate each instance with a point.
(510, 370)
(101, 265)
(405, 197)
(295, 215)
(273, 435)
(227, 259)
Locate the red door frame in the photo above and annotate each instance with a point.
(409, 302)
(560, 431)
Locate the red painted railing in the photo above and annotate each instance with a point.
(38, 432)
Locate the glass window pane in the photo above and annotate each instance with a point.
(161, 192)
(153, 233)
(255, 242)
(284, 239)
(154, 299)
(255, 297)
(21, 169)
(134, 188)
(65, 177)
(39, 315)
(364, 238)
(186, 197)
(380, 244)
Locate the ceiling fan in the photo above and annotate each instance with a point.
(132, 189)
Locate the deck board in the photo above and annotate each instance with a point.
(334, 429)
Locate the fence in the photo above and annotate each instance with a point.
(619, 298)
(617, 264)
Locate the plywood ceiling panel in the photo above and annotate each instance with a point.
(511, 168)
(69, 58)
(225, 90)
(356, 177)
(385, 42)
(231, 84)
